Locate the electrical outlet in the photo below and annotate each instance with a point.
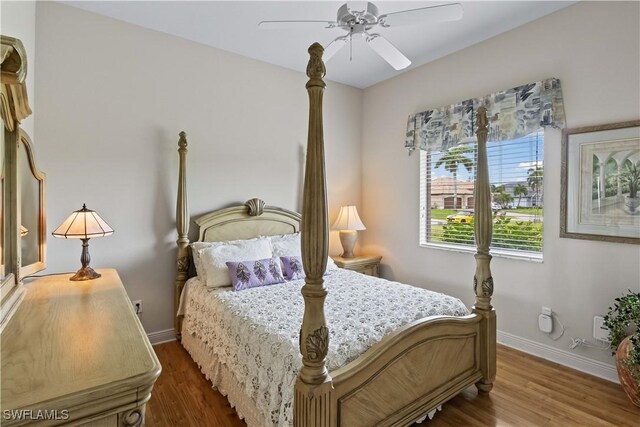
(600, 331)
(137, 306)
(546, 311)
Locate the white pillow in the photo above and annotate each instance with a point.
(196, 250)
(214, 258)
(286, 245)
(289, 245)
(198, 247)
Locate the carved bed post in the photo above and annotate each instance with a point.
(182, 225)
(313, 391)
(482, 281)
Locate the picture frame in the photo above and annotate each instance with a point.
(600, 183)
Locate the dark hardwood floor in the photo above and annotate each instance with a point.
(528, 392)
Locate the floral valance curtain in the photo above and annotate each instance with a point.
(512, 114)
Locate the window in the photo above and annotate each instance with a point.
(516, 176)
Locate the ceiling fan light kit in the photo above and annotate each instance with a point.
(357, 18)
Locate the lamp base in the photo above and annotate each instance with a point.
(85, 273)
(348, 239)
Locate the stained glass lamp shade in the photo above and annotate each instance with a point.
(83, 224)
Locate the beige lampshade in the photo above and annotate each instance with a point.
(83, 224)
(348, 219)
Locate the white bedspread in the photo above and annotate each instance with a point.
(255, 332)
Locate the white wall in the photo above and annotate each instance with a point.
(18, 20)
(112, 98)
(594, 48)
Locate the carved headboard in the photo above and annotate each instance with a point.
(251, 219)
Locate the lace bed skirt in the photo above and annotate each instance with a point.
(223, 380)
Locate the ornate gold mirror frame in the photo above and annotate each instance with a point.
(32, 183)
(14, 107)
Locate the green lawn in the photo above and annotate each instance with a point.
(527, 211)
(442, 213)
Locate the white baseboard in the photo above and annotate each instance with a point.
(162, 336)
(562, 357)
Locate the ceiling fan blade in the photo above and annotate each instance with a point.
(424, 15)
(388, 52)
(333, 47)
(295, 25)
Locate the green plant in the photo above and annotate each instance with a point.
(460, 233)
(519, 235)
(631, 176)
(625, 314)
(507, 234)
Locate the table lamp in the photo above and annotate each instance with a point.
(83, 224)
(348, 223)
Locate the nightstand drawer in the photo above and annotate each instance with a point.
(365, 264)
(370, 270)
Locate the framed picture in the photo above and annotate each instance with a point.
(600, 188)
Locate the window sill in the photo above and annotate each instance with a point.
(499, 253)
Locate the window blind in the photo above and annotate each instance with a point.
(516, 174)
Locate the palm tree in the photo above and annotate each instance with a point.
(535, 181)
(520, 190)
(452, 159)
(501, 196)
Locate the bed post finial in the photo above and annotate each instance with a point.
(313, 405)
(482, 280)
(182, 142)
(315, 68)
(182, 226)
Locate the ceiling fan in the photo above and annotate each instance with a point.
(358, 18)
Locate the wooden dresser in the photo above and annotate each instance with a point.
(75, 352)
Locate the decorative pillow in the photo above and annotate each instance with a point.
(289, 245)
(252, 274)
(214, 258)
(292, 267)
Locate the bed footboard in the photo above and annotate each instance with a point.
(410, 372)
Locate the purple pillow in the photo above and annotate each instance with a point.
(252, 274)
(292, 267)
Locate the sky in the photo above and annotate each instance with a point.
(517, 156)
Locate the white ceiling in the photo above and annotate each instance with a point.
(233, 26)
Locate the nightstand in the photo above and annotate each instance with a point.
(365, 264)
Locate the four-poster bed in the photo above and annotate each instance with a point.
(408, 372)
